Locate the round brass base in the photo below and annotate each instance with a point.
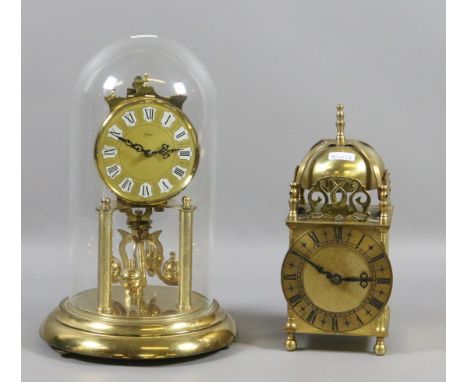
(70, 331)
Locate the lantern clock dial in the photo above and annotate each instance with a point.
(336, 278)
(147, 151)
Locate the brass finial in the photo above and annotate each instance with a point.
(106, 204)
(186, 202)
(111, 98)
(145, 79)
(340, 125)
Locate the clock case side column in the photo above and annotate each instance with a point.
(104, 302)
(386, 212)
(295, 196)
(185, 254)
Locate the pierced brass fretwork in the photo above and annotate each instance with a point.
(333, 197)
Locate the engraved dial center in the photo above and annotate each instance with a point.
(332, 294)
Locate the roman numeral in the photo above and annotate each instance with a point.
(109, 151)
(129, 118)
(145, 190)
(290, 277)
(126, 184)
(360, 241)
(335, 323)
(167, 119)
(185, 153)
(383, 281)
(378, 257)
(357, 318)
(180, 134)
(294, 300)
(113, 170)
(295, 253)
(114, 132)
(338, 233)
(311, 317)
(179, 172)
(314, 238)
(376, 303)
(148, 113)
(164, 185)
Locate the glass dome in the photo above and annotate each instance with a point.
(141, 201)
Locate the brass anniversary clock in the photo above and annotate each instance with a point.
(336, 276)
(141, 207)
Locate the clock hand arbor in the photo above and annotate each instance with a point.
(335, 278)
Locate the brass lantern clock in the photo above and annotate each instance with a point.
(141, 206)
(336, 276)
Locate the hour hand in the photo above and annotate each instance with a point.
(334, 278)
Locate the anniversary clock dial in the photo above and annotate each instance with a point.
(147, 151)
(336, 278)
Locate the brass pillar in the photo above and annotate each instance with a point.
(105, 256)
(293, 201)
(185, 254)
(384, 205)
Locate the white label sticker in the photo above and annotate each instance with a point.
(341, 156)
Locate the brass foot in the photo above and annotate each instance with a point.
(290, 343)
(379, 347)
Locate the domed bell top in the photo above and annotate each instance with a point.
(341, 158)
